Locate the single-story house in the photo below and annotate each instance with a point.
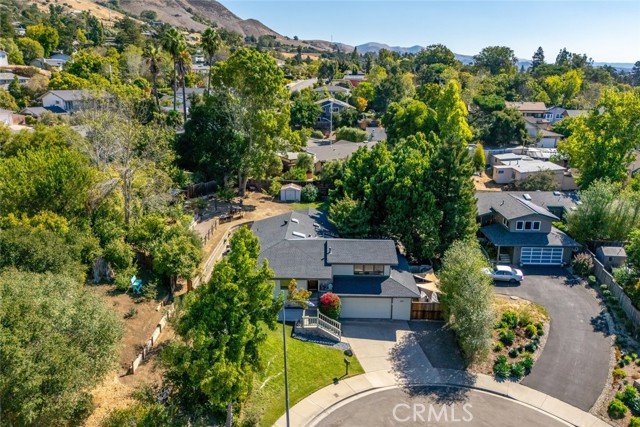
(290, 193)
(331, 106)
(522, 230)
(7, 78)
(539, 131)
(70, 101)
(514, 168)
(38, 111)
(611, 256)
(4, 58)
(57, 60)
(355, 79)
(332, 90)
(339, 150)
(364, 273)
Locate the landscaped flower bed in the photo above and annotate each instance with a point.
(519, 336)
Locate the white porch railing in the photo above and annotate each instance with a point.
(328, 325)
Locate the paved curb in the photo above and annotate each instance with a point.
(315, 407)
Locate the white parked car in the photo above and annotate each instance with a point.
(504, 273)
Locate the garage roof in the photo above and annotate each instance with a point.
(398, 284)
(500, 236)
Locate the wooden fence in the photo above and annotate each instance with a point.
(606, 278)
(426, 311)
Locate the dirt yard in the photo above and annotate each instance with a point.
(485, 183)
(106, 15)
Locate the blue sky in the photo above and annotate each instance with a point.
(607, 31)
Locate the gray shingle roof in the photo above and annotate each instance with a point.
(486, 200)
(512, 207)
(300, 259)
(337, 151)
(72, 95)
(275, 229)
(361, 251)
(500, 236)
(398, 284)
(335, 102)
(321, 89)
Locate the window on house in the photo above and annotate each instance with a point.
(368, 269)
(558, 116)
(528, 225)
(500, 172)
(284, 284)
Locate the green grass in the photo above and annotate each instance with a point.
(321, 206)
(310, 366)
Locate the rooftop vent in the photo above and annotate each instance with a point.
(329, 251)
(294, 220)
(557, 193)
(526, 196)
(297, 234)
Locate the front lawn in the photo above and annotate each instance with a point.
(311, 367)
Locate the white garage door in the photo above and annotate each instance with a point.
(365, 308)
(541, 256)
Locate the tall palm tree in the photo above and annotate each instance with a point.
(174, 42)
(210, 43)
(153, 59)
(183, 67)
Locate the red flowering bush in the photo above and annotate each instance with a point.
(330, 305)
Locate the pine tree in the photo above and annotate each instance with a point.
(451, 170)
(538, 58)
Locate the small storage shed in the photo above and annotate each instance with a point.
(290, 193)
(611, 256)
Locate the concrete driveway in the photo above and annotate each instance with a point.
(575, 362)
(385, 346)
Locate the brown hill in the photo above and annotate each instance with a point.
(188, 14)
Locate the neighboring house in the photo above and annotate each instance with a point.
(9, 118)
(332, 90)
(521, 229)
(200, 68)
(4, 58)
(611, 256)
(555, 114)
(331, 106)
(634, 166)
(38, 111)
(166, 101)
(365, 273)
(7, 78)
(529, 109)
(355, 79)
(538, 130)
(290, 193)
(197, 58)
(57, 60)
(70, 101)
(514, 168)
(340, 150)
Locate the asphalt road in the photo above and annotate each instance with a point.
(575, 362)
(437, 407)
(301, 84)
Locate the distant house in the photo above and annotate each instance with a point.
(332, 90)
(69, 101)
(538, 130)
(290, 193)
(200, 68)
(7, 78)
(331, 106)
(57, 61)
(555, 114)
(514, 168)
(528, 109)
(37, 112)
(340, 150)
(520, 226)
(4, 58)
(355, 79)
(611, 256)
